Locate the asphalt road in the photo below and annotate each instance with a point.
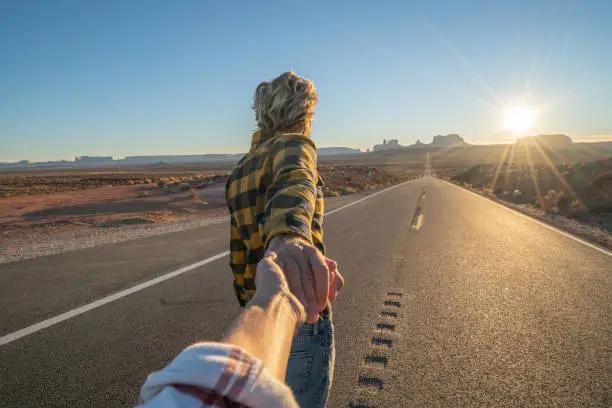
(450, 300)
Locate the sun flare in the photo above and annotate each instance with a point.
(518, 119)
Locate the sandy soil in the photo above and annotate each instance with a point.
(43, 214)
(32, 226)
(106, 207)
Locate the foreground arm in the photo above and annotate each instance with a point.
(266, 327)
(248, 368)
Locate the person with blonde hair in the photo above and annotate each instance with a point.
(274, 196)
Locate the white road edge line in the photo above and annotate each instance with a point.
(542, 223)
(26, 331)
(103, 301)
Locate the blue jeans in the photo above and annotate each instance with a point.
(311, 362)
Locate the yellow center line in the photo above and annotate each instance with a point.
(419, 223)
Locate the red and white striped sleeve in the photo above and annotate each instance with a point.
(214, 375)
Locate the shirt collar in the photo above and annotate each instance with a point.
(259, 137)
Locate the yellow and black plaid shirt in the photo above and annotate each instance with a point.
(274, 190)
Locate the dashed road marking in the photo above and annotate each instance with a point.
(371, 379)
(419, 222)
(371, 382)
(388, 314)
(379, 341)
(384, 327)
(419, 216)
(392, 303)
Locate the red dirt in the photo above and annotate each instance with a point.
(45, 203)
(106, 207)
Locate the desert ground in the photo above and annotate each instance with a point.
(46, 211)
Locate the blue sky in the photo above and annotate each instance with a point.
(168, 77)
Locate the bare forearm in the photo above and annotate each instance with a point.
(265, 330)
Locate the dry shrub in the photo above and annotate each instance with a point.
(193, 195)
(579, 210)
(546, 204)
(346, 190)
(177, 187)
(558, 203)
(564, 203)
(330, 193)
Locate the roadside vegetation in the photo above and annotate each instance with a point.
(578, 190)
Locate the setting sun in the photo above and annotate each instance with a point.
(518, 119)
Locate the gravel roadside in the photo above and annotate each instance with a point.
(20, 248)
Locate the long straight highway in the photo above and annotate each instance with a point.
(450, 300)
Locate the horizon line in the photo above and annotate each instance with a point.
(594, 139)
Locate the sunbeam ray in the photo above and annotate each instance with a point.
(499, 167)
(554, 169)
(510, 164)
(536, 184)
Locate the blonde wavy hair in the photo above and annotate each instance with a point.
(286, 103)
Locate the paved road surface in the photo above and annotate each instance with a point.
(492, 309)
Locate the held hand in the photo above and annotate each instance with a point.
(270, 282)
(306, 271)
(336, 281)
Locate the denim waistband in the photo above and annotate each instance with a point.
(312, 329)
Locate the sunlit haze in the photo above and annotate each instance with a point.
(122, 78)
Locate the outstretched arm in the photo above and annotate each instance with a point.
(290, 198)
(287, 220)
